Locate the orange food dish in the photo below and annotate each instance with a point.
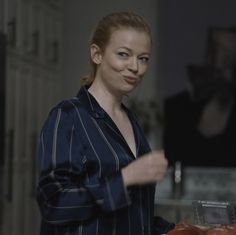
(187, 229)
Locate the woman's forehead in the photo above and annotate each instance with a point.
(127, 37)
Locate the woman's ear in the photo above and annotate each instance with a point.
(96, 54)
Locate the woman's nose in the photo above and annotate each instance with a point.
(133, 65)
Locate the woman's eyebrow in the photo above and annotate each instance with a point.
(130, 50)
(126, 48)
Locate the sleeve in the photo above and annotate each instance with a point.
(64, 193)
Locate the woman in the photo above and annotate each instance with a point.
(97, 172)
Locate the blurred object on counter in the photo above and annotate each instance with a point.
(177, 180)
(188, 229)
(212, 218)
(210, 213)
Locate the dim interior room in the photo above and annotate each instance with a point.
(43, 55)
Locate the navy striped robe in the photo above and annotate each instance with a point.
(80, 188)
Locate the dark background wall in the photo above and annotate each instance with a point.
(183, 36)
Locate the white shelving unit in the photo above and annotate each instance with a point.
(33, 83)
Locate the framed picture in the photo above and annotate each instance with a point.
(221, 47)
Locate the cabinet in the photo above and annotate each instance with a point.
(33, 84)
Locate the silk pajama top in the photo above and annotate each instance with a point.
(80, 189)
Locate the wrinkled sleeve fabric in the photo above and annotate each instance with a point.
(65, 193)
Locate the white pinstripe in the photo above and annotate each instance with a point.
(90, 142)
(109, 194)
(114, 225)
(97, 226)
(149, 221)
(109, 145)
(141, 211)
(80, 229)
(43, 149)
(129, 219)
(54, 148)
(71, 140)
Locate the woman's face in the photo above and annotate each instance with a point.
(121, 66)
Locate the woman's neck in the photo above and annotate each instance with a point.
(110, 102)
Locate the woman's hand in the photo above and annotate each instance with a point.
(149, 168)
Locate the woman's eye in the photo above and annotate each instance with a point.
(144, 59)
(123, 54)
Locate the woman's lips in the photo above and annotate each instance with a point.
(131, 80)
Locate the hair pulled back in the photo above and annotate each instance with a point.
(106, 26)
